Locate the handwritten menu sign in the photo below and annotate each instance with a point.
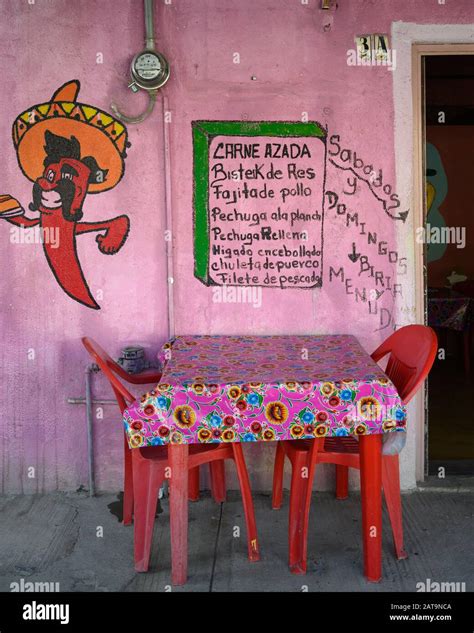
(258, 203)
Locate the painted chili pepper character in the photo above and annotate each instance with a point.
(68, 150)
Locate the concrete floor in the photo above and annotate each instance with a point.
(79, 543)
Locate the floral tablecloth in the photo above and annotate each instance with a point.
(264, 388)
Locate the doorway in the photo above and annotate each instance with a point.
(448, 148)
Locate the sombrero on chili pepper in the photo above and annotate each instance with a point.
(100, 135)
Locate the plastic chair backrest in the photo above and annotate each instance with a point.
(111, 369)
(412, 352)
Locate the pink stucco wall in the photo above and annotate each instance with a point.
(297, 53)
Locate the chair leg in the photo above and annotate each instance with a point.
(193, 494)
(252, 538)
(296, 559)
(218, 487)
(342, 482)
(127, 485)
(178, 462)
(371, 501)
(391, 489)
(277, 490)
(147, 481)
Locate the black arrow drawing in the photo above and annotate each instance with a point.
(401, 216)
(354, 256)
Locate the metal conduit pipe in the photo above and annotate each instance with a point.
(141, 80)
(89, 402)
(149, 26)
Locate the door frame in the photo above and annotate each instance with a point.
(410, 42)
(419, 52)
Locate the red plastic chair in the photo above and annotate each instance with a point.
(145, 471)
(412, 352)
(152, 377)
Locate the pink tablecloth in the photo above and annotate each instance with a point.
(263, 388)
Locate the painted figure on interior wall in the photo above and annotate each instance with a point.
(68, 149)
(436, 191)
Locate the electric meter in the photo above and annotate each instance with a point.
(150, 70)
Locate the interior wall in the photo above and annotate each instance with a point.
(298, 56)
(454, 144)
(449, 137)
